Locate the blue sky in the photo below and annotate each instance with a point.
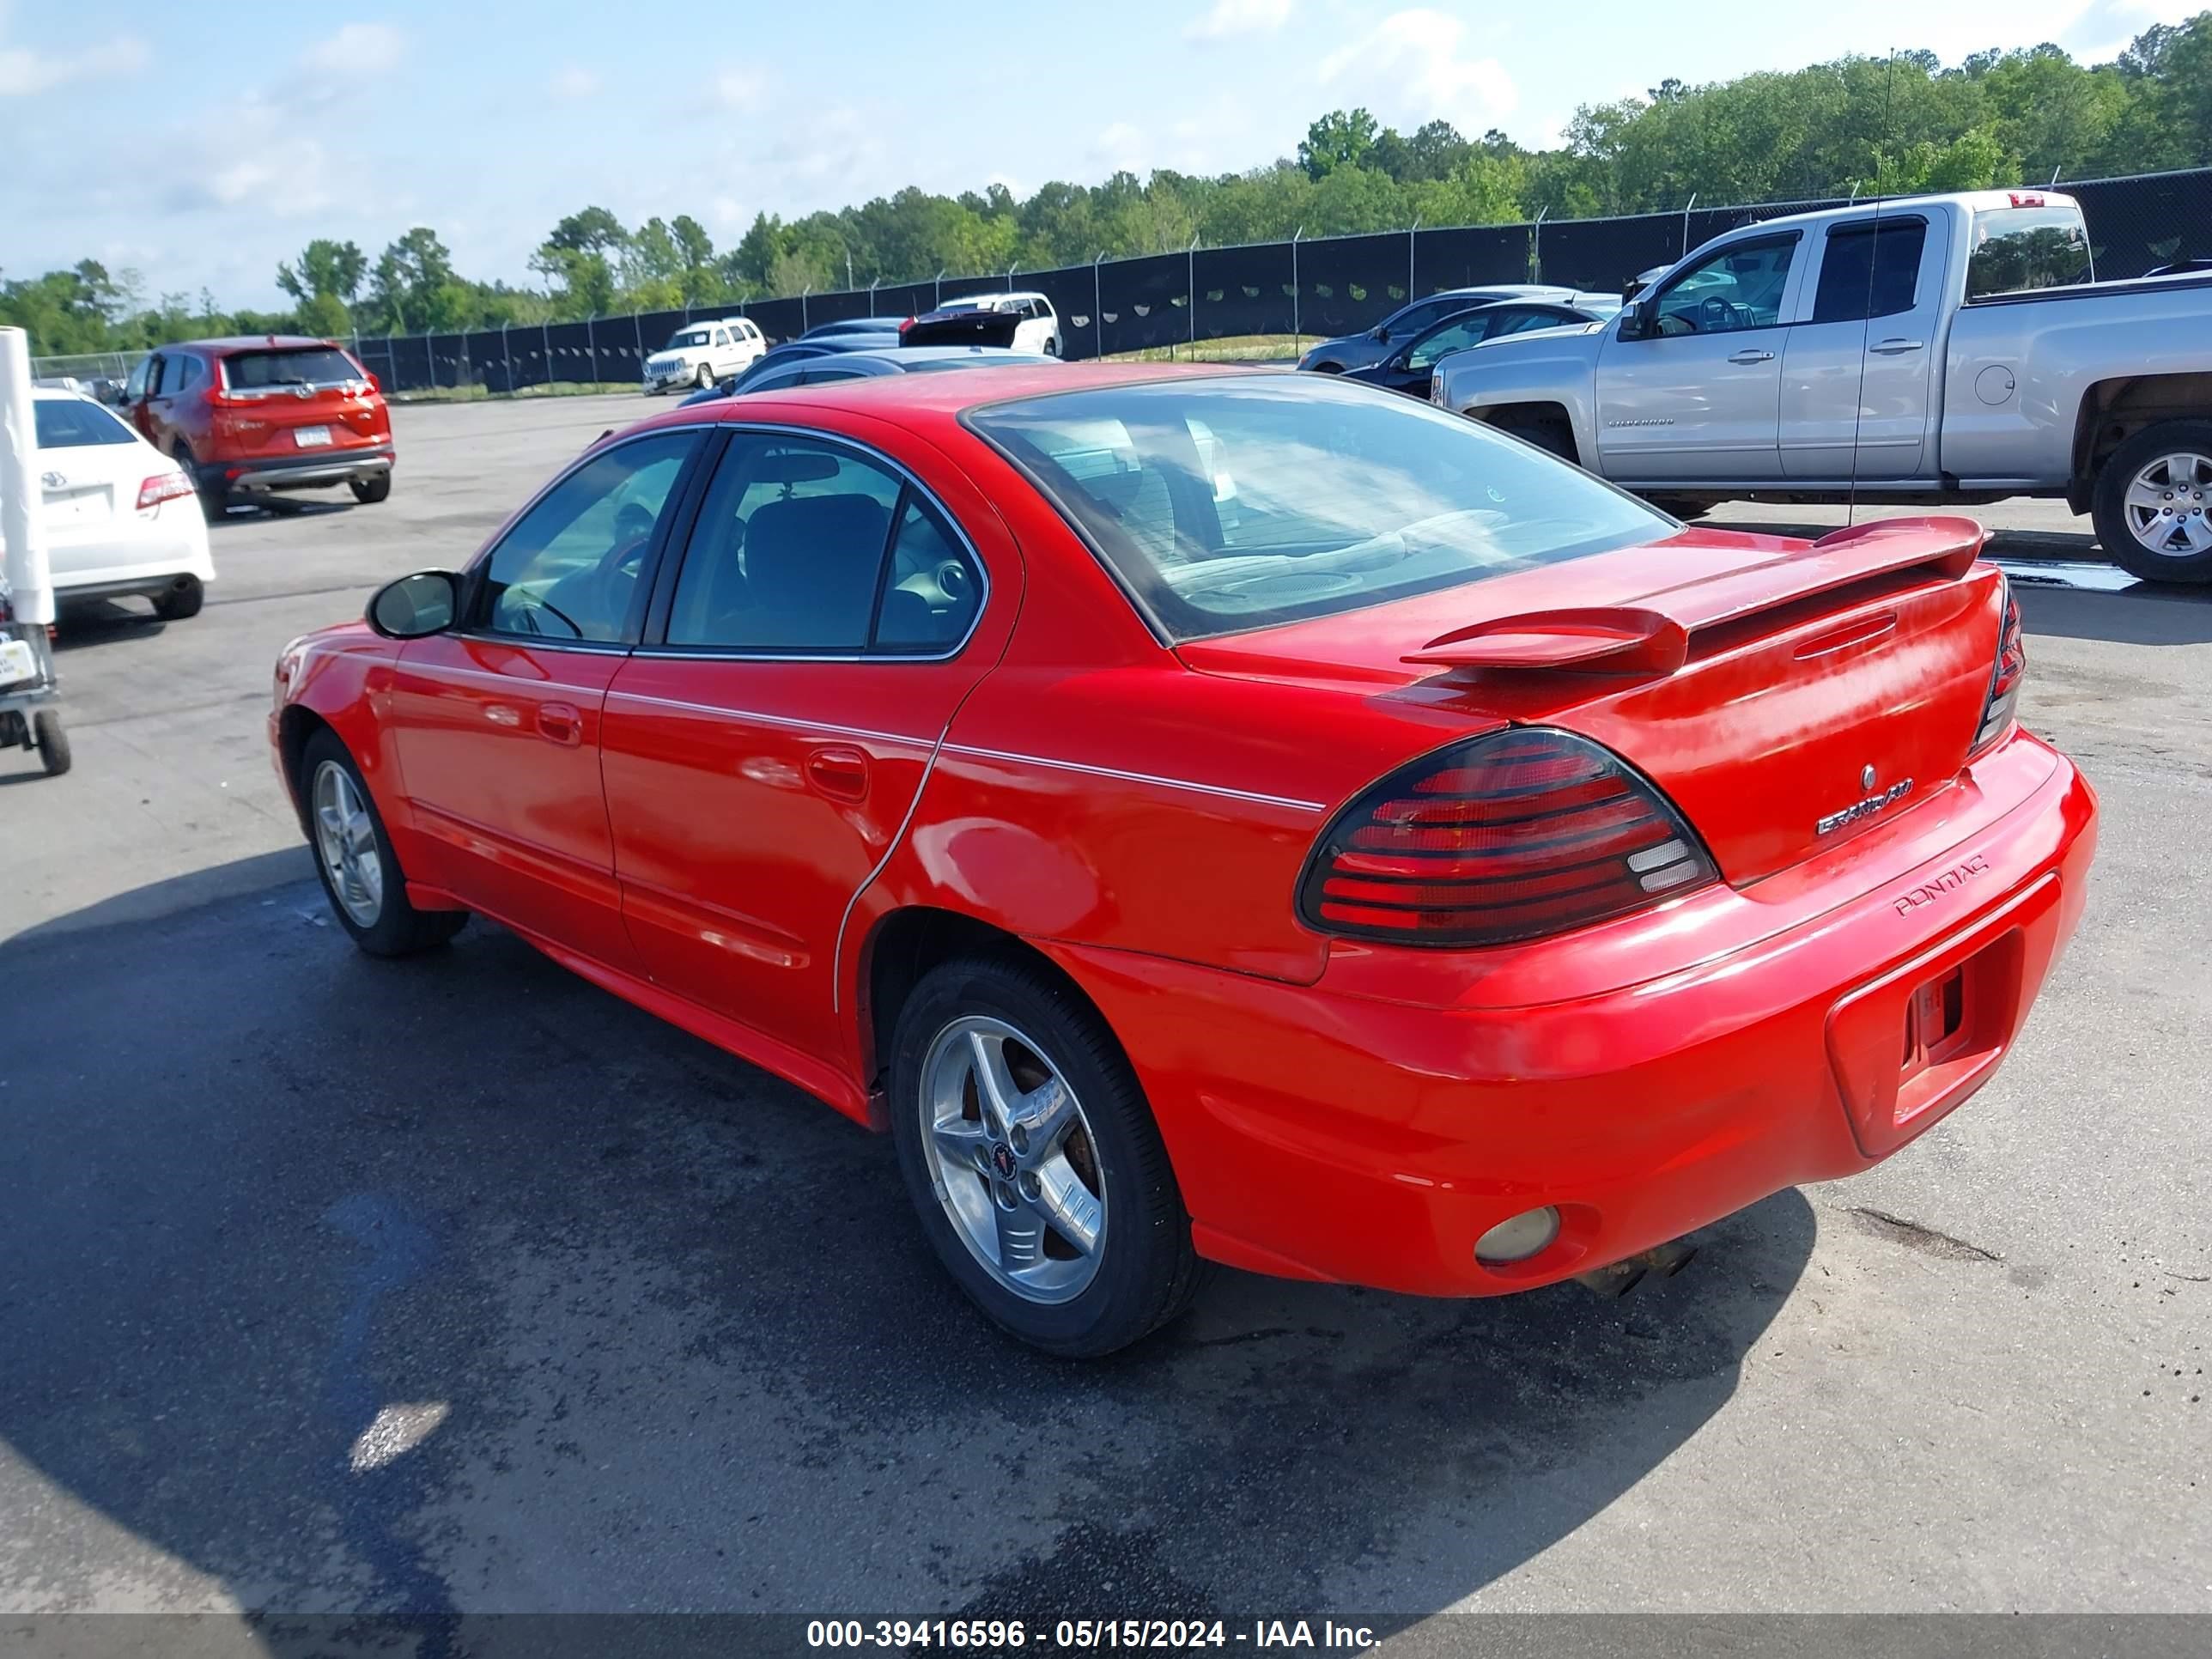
(200, 145)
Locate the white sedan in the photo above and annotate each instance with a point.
(121, 517)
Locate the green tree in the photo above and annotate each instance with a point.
(1341, 138)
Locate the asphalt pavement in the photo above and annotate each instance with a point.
(329, 1285)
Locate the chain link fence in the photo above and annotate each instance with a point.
(1309, 286)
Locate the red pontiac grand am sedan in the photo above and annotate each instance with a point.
(1221, 816)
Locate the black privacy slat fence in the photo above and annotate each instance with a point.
(1310, 286)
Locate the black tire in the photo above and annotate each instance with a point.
(53, 744)
(369, 490)
(2108, 501)
(399, 928)
(1683, 507)
(1147, 1272)
(214, 500)
(184, 600)
(704, 378)
(1548, 432)
(1329, 368)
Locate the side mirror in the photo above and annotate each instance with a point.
(414, 606)
(375, 385)
(1637, 321)
(1382, 333)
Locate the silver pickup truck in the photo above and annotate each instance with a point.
(1935, 349)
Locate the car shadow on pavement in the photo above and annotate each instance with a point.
(2146, 615)
(83, 622)
(456, 1285)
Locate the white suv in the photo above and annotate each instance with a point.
(1036, 329)
(702, 354)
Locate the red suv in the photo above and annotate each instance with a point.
(248, 416)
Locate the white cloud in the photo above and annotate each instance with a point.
(1229, 18)
(357, 49)
(575, 81)
(739, 88)
(24, 70)
(1417, 66)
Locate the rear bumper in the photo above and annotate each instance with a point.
(307, 470)
(1329, 1135)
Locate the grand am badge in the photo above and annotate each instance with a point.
(1863, 808)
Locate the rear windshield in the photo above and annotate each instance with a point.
(2021, 248)
(1232, 504)
(696, 337)
(289, 365)
(71, 423)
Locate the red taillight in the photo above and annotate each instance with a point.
(2025, 198)
(2005, 677)
(1508, 837)
(163, 487)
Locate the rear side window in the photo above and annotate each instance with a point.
(789, 556)
(72, 423)
(2021, 248)
(185, 374)
(1851, 290)
(251, 371)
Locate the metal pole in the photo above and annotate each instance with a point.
(1413, 231)
(545, 339)
(591, 343)
(507, 351)
(2055, 172)
(1010, 278)
(637, 342)
(937, 294)
(1536, 247)
(1098, 312)
(1297, 328)
(1686, 206)
(872, 295)
(23, 558)
(1190, 285)
(803, 293)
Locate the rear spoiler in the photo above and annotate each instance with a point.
(1652, 637)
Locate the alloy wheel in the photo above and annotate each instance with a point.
(1012, 1160)
(345, 841)
(2167, 504)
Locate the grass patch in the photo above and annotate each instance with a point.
(476, 394)
(1234, 349)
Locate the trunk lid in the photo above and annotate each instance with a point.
(1757, 680)
(283, 401)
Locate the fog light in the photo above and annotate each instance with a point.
(1518, 1238)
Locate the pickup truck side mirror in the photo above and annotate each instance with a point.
(1639, 321)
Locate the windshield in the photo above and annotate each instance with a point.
(2027, 247)
(289, 365)
(1239, 503)
(71, 423)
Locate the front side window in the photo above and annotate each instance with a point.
(1239, 503)
(1870, 270)
(570, 570)
(2027, 247)
(1733, 288)
(721, 337)
(1457, 335)
(72, 423)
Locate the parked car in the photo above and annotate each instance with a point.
(1353, 846)
(1936, 349)
(121, 517)
(700, 354)
(1372, 346)
(827, 367)
(250, 416)
(776, 358)
(1020, 321)
(1411, 366)
(853, 326)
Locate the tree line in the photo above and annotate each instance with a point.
(1898, 124)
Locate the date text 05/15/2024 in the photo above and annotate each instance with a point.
(1087, 1635)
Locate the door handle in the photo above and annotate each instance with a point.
(1891, 348)
(1749, 356)
(838, 771)
(561, 722)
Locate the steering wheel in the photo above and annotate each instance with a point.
(1719, 316)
